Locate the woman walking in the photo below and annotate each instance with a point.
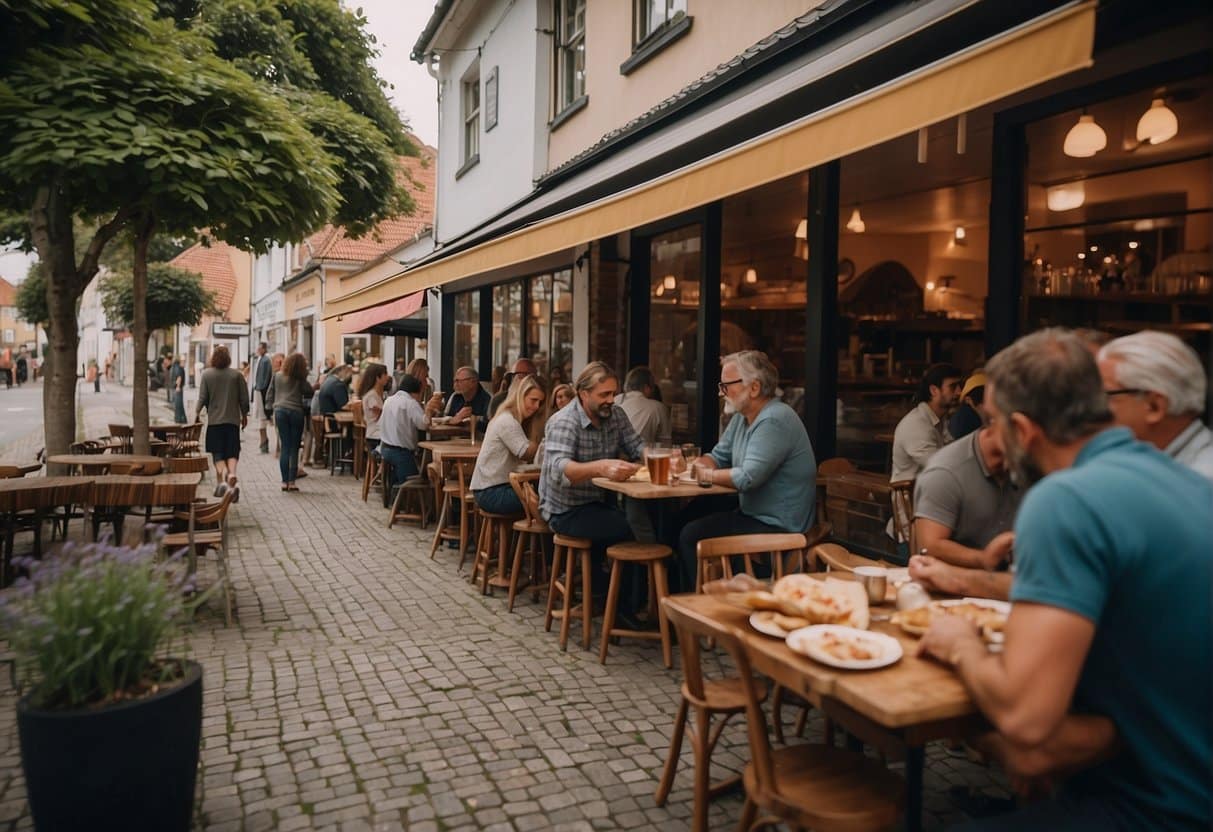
(284, 398)
(510, 441)
(224, 394)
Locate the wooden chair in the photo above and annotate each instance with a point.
(318, 444)
(124, 438)
(827, 468)
(206, 529)
(718, 553)
(412, 502)
(89, 446)
(187, 441)
(9, 472)
(653, 556)
(372, 474)
(359, 433)
(833, 556)
(902, 496)
(493, 548)
(187, 465)
(710, 698)
(532, 535)
(572, 556)
(810, 786)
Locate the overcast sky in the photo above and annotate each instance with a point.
(396, 24)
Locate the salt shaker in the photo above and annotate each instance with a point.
(911, 596)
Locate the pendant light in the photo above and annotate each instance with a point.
(670, 281)
(751, 275)
(856, 223)
(1065, 197)
(1157, 124)
(1086, 138)
(801, 249)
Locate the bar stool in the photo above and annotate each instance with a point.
(572, 553)
(653, 556)
(532, 534)
(446, 493)
(373, 474)
(411, 503)
(493, 546)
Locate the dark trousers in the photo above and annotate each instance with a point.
(726, 523)
(498, 499)
(179, 407)
(1074, 813)
(289, 424)
(401, 460)
(602, 524)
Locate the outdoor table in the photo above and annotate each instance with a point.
(640, 488)
(38, 495)
(27, 468)
(910, 703)
(446, 431)
(120, 491)
(101, 462)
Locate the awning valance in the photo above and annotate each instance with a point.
(368, 318)
(1045, 48)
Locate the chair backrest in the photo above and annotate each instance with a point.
(187, 464)
(211, 513)
(125, 435)
(463, 471)
(839, 558)
(902, 495)
(825, 468)
(8, 472)
(88, 446)
(721, 550)
(524, 488)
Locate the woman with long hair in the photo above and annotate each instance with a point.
(224, 394)
(371, 385)
(419, 369)
(510, 441)
(284, 399)
(562, 395)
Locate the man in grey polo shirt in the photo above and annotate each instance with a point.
(964, 509)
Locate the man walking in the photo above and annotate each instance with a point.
(260, 374)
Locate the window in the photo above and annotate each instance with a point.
(467, 329)
(570, 53)
(471, 119)
(674, 268)
(650, 16)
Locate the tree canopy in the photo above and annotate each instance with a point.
(174, 297)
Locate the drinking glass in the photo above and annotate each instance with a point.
(703, 475)
(690, 453)
(657, 458)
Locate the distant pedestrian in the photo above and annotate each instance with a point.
(177, 375)
(224, 394)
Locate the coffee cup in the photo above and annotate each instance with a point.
(875, 580)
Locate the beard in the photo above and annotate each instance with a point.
(731, 407)
(604, 410)
(1021, 468)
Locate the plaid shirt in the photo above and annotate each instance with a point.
(570, 436)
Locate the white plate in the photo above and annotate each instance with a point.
(763, 624)
(994, 639)
(805, 641)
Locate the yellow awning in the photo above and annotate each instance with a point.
(1051, 46)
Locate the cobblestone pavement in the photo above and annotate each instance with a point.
(365, 686)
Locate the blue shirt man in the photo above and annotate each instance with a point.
(1124, 538)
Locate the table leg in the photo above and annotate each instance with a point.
(915, 756)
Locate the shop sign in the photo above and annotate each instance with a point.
(268, 310)
(221, 329)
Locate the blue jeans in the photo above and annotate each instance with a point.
(404, 464)
(289, 424)
(179, 407)
(499, 499)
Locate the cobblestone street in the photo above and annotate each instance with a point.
(365, 686)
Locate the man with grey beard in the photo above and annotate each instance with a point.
(1093, 690)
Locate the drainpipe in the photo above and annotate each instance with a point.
(431, 66)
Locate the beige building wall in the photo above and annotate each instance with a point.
(720, 30)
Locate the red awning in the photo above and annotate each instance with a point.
(367, 318)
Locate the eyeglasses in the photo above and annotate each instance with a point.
(1127, 391)
(725, 385)
(465, 378)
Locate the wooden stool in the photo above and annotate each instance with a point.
(373, 474)
(446, 492)
(653, 555)
(532, 531)
(493, 545)
(571, 554)
(414, 490)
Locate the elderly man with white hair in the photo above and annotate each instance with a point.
(1156, 387)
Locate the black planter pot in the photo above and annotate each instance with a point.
(131, 766)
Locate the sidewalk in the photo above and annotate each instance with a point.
(365, 686)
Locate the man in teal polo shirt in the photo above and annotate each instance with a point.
(1103, 686)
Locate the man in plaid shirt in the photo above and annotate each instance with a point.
(594, 439)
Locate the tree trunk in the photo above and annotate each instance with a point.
(140, 334)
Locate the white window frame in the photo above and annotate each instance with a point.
(469, 106)
(645, 27)
(568, 40)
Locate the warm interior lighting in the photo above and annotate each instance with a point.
(930, 285)
(751, 275)
(1082, 255)
(856, 223)
(802, 229)
(1133, 244)
(669, 281)
(1086, 138)
(958, 236)
(801, 249)
(1094, 249)
(1157, 124)
(1066, 197)
(661, 289)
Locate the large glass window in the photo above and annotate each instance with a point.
(570, 52)
(467, 329)
(507, 324)
(651, 15)
(1120, 214)
(674, 269)
(550, 325)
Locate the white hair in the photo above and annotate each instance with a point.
(755, 366)
(1161, 363)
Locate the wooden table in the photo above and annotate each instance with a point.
(447, 431)
(167, 428)
(38, 495)
(27, 468)
(102, 462)
(117, 492)
(640, 488)
(909, 703)
(450, 450)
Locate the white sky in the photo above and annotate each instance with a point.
(396, 24)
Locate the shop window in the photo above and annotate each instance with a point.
(570, 54)
(467, 329)
(507, 324)
(674, 269)
(1119, 216)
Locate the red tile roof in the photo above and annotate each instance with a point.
(8, 293)
(420, 175)
(215, 266)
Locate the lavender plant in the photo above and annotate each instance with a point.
(89, 622)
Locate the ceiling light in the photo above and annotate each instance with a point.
(1082, 255)
(958, 236)
(669, 281)
(1094, 249)
(661, 289)
(1066, 197)
(856, 223)
(1157, 124)
(1133, 244)
(751, 276)
(1086, 138)
(930, 285)
(801, 248)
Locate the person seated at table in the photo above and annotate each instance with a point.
(641, 401)
(371, 385)
(510, 441)
(561, 396)
(964, 509)
(334, 393)
(1094, 689)
(924, 430)
(284, 401)
(1156, 386)
(469, 398)
(589, 438)
(967, 416)
(523, 367)
(402, 418)
(419, 368)
(764, 453)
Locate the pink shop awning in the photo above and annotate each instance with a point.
(368, 318)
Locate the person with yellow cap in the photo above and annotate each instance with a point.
(967, 417)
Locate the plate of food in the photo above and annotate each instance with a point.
(441, 420)
(828, 601)
(845, 647)
(776, 624)
(987, 614)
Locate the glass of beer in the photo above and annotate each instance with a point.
(657, 458)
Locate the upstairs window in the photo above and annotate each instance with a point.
(471, 118)
(570, 53)
(651, 16)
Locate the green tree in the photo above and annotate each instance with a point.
(31, 297)
(174, 297)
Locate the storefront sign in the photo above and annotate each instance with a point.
(268, 310)
(222, 329)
